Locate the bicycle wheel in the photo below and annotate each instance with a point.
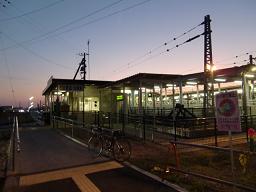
(95, 144)
(121, 149)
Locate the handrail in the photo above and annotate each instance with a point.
(210, 147)
(17, 134)
(14, 142)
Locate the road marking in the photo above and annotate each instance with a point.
(84, 183)
(67, 173)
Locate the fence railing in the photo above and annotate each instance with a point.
(14, 145)
(233, 168)
(201, 157)
(159, 128)
(73, 128)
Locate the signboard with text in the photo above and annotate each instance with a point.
(227, 112)
(71, 87)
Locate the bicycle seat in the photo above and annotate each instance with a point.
(96, 129)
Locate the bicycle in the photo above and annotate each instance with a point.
(111, 142)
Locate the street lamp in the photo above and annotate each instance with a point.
(31, 103)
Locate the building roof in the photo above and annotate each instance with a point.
(230, 74)
(145, 78)
(52, 83)
(148, 79)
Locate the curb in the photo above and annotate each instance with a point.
(165, 182)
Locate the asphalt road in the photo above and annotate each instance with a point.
(51, 162)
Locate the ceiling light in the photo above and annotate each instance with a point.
(220, 80)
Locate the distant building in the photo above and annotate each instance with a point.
(6, 108)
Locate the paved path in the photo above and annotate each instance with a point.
(50, 162)
(45, 149)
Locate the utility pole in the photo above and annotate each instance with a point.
(82, 68)
(208, 66)
(251, 59)
(89, 67)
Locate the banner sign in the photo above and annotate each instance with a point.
(227, 112)
(71, 87)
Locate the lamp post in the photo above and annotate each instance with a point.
(31, 104)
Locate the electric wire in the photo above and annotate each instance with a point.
(157, 48)
(235, 63)
(29, 50)
(48, 34)
(105, 16)
(162, 52)
(36, 27)
(36, 54)
(86, 16)
(234, 57)
(10, 79)
(33, 11)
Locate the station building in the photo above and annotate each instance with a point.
(148, 93)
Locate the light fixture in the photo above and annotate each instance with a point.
(239, 91)
(126, 91)
(253, 69)
(238, 81)
(191, 83)
(170, 85)
(220, 80)
(58, 93)
(211, 67)
(249, 75)
(189, 86)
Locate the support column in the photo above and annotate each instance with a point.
(132, 98)
(252, 89)
(245, 95)
(146, 98)
(140, 99)
(100, 92)
(154, 113)
(181, 94)
(161, 96)
(124, 109)
(165, 96)
(111, 100)
(197, 95)
(112, 114)
(219, 88)
(173, 96)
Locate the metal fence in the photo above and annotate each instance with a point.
(73, 128)
(198, 167)
(13, 146)
(158, 128)
(201, 153)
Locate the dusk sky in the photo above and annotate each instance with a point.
(39, 39)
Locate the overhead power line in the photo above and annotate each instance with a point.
(234, 58)
(9, 75)
(105, 16)
(86, 16)
(157, 48)
(162, 52)
(36, 54)
(33, 11)
(47, 34)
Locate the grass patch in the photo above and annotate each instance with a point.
(155, 159)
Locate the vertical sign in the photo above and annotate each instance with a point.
(227, 112)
